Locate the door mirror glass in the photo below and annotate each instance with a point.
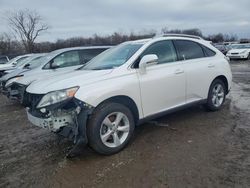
(26, 66)
(147, 60)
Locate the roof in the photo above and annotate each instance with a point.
(81, 48)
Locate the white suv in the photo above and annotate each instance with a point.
(101, 103)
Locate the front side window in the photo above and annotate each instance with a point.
(188, 49)
(164, 50)
(66, 59)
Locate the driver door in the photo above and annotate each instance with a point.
(163, 85)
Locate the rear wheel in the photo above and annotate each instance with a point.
(216, 95)
(110, 128)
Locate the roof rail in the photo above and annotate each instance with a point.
(182, 35)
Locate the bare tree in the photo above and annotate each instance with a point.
(27, 25)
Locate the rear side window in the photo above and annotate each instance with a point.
(188, 49)
(88, 54)
(208, 52)
(164, 50)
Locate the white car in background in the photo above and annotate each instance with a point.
(239, 51)
(54, 63)
(4, 59)
(25, 65)
(10, 65)
(101, 103)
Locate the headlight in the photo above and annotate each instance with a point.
(57, 96)
(10, 81)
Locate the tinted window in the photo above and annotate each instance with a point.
(208, 52)
(88, 54)
(188, 49)
(3, 60)
(164, 50)
(66, 59)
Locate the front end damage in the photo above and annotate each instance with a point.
(67, 118)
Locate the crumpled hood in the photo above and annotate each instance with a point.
(238, 50)
(64, 81)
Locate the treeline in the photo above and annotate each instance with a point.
(11, 47)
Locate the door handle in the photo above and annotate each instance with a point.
(179, 71)
(211, 65)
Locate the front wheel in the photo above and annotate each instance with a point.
(216, 95)
(110, 128)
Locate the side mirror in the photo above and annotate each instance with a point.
(147, 60)
(26, 66)
(53, 65)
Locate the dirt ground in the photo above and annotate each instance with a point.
(190, 148)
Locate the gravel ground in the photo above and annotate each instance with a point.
(190, 148)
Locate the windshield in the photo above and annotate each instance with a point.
(35, 62)
(243, 46)
(22, 61)
(113, 57)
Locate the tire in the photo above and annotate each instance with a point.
(248, 58)
(216, 95)
(98, 129)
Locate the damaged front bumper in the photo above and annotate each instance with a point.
(68, 119)
(53, 123)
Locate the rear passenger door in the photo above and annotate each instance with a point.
(199, 66)
(163, 85)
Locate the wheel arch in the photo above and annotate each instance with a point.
(126, 101)
(224, 80)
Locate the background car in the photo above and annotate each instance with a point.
(54, 63)
(10, 65)
(26, 64)
(239, 51)
(223, 48)
(3, 59)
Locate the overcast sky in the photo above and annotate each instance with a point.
(70, 18)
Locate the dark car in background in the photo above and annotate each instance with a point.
(223, 48)
(3, 59)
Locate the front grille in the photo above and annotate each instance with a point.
(31, 100)
(234, 53)
(20, 88)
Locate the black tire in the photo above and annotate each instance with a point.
(210, 104)
(248, 58)
(95, 124)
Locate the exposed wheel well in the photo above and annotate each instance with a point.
(224, 79)
(126, 101)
